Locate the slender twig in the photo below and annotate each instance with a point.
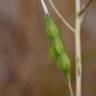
(78, 49)
(85, 6)
(61, 17)
(70, 88)
(79, 17)
(44, 7)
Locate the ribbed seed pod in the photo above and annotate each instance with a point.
(57, 49)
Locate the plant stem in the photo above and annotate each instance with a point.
(78, 49)
(78, 59)
(70, 88)
(85, 6)
(44, 7)
(61, 17)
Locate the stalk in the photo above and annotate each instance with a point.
(70, 88)
(78, 49)
(78, 20)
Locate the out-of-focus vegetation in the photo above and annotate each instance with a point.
(25, 65)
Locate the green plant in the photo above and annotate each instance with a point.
(57, 48)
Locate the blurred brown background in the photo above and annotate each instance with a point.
(26, 68)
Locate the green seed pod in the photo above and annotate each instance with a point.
(57, 49)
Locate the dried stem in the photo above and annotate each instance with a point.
(85, 6)
(79, 17)
(61, 17)
(78, 49)
(44, 7)
(70, 88)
